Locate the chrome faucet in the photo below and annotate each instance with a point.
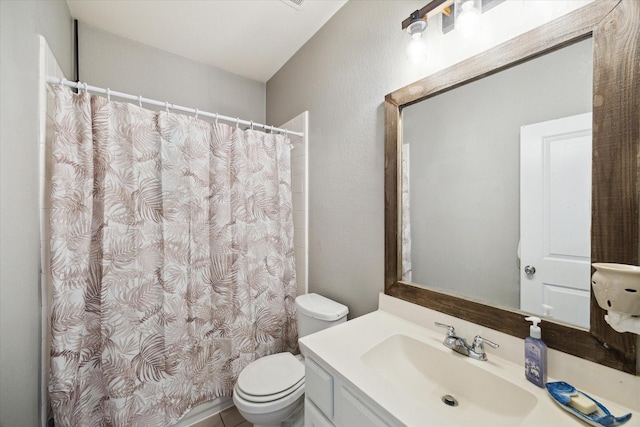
(459, 344)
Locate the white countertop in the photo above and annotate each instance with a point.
(342, 346)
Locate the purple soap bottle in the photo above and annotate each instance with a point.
(535, 354)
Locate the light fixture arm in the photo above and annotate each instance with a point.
(433, 8)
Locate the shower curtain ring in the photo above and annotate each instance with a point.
(197, 114)
(62, 80)
(251, 127)
(140, 101)
(216, 118)
(86, 87)
(108, 95)
(166, 106)
(237, 122)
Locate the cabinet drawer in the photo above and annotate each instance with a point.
(313, 417)
(319, 387)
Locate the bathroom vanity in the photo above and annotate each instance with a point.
(390, 368)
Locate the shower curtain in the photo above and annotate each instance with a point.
(171, 260)
(406, 214)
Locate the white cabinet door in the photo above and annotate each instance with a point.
(313, 417)
(353, 413)
(318, 387)
(555, 218)
(329, 401)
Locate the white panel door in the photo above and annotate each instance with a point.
(555, 218)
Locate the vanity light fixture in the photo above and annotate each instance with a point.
(433, 8)
(417, 49)
(467, 14)
(417, 25)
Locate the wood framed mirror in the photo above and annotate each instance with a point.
(614, 26)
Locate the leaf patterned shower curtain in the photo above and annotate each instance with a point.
(171, 260)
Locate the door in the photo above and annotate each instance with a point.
(555, 218)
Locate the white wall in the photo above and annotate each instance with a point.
(341, 76)
(20, 22)
(48, 67)
(300, 196)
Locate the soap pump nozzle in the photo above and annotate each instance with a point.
(534, 330)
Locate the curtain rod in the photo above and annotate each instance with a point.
(167, 105)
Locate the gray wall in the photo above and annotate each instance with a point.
(341, 76)
(465, 170)
(111, 61)
(20, 22)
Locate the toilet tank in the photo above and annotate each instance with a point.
(316, 313)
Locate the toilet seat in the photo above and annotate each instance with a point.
(269, 397)
(270, 383)
(248, 403)
(250, 407)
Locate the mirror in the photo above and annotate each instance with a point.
(615, 213)
(461, 184)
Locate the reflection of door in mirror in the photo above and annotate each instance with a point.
(464, 173)
(555, 218)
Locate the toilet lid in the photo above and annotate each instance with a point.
(271, 375)
(319, 307)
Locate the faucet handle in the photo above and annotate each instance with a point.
(451, 332)
(478, 342)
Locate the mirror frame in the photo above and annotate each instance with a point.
(615, 220)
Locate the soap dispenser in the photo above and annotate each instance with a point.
(535, 354)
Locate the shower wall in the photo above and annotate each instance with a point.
(48, 67)
(300, 197)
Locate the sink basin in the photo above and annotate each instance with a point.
(427, 373)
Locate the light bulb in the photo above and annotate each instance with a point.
(467, 17)
(417, 50)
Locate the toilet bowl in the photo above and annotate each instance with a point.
(270, 391)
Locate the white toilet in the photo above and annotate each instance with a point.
(270, 390)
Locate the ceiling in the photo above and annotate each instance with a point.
(251, 38)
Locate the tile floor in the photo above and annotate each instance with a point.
(228, 418)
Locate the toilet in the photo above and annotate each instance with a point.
(270, 391)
